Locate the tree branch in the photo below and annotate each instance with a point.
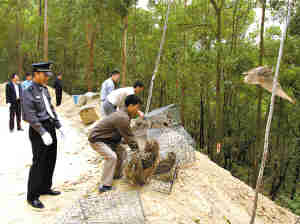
(213, 2)
(222, 4)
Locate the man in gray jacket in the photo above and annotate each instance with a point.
(106, 136)
(107, 87)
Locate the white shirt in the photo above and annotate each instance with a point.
(118, 96)
(17, 91)
(47, 104)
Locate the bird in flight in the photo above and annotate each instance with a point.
(263, 76)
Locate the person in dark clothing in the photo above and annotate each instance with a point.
(58, 85)
(13, 99)
(40, 114)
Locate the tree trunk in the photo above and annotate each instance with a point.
(38, 44)
(40, 7)
(46, 31)
(124, 50)
(182, 102)
(219, 115)
(297, 174)
(277, 184)
(296, 181)
(259, 128)
(134, 44)
(18, 42)
(209, 126)
(201, 122)
(183, 71)
(90, 37)
(161, 98)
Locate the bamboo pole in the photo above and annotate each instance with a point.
(158, 57)
(268, 127)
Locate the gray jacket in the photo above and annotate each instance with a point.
(34, 109)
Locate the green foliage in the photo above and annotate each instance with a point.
(122, 7)
(295, 23)
(293, 205)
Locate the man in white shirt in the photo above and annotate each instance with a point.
(13, 99)
(107, 87)
(116, 99)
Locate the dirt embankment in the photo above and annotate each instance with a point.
(204, 192)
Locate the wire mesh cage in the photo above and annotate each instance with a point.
(176, 146)
(107, 208)
(164, 126)
(175, 140)
(167, 116)
(164, 182)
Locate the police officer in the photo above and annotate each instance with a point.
(40, 114)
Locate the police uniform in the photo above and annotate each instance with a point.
(40, 114)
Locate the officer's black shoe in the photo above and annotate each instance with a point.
(36, 203)
(51, 192)
(20, 129)
(104, 189)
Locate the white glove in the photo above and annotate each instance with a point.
(47, 139)
(8, 104)
(62, 132)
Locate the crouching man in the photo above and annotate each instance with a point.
(106, 136)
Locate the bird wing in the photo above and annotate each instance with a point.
(261, 70)
(279, 91)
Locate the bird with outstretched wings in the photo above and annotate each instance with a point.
(263, 76)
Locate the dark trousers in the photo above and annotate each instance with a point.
(58, 94)
(15, 111)
(43, 164)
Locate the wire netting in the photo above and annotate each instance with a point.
(108, 208)
(165, 126)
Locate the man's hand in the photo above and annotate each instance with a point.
(8, 104)
(141, 114)
(47, 139)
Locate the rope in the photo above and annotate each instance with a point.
(268, 127)
(158, 57)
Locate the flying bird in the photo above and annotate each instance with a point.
(263, 76)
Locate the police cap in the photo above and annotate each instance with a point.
(43, 67)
